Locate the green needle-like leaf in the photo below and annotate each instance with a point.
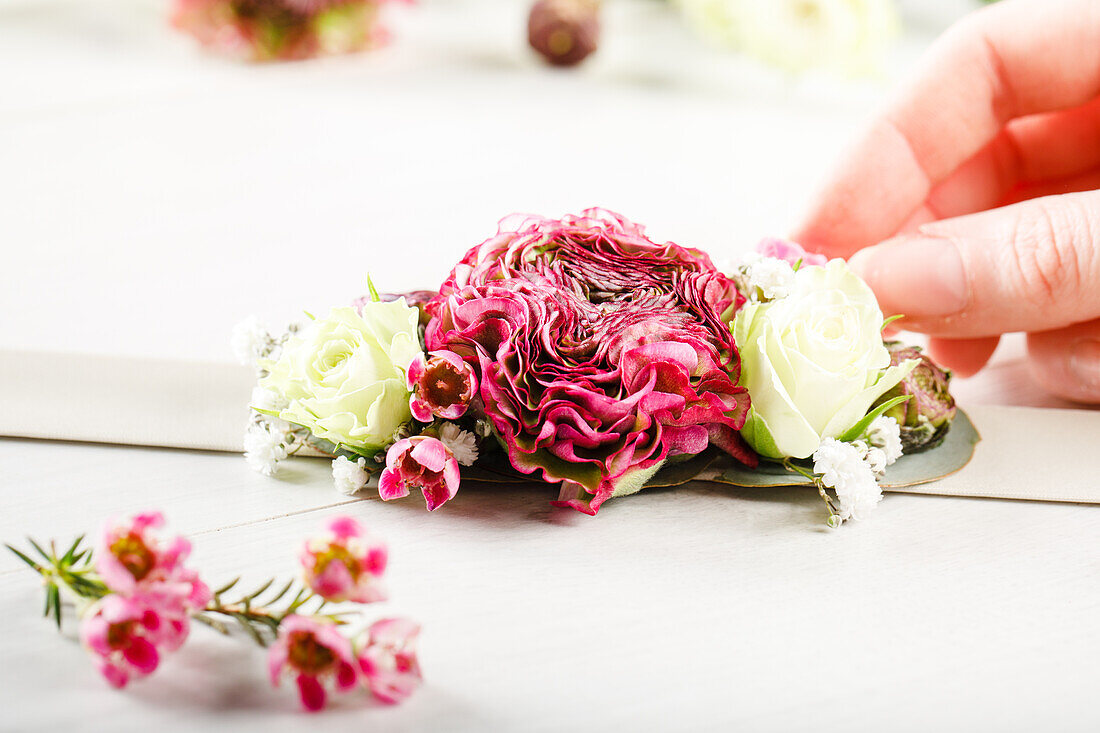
(285, 589)
(262, 588)
(23, 557)
(43, 553)
(225, 588)
(250, 630)
(67, 558)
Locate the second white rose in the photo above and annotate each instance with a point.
(813, 362)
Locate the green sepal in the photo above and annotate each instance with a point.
(860, 427)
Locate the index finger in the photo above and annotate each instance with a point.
(1009, 60)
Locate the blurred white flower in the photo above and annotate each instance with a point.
(843, 467)
(264, 447)
(267, 400)
(849, 36)
(250, 341)
(463, 444)
(349, 477)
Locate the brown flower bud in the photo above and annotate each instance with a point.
(564, 32)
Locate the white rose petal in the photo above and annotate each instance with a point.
(462, 443)
(349, 477)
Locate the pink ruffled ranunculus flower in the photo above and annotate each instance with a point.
(345, 563)
(131, 558)
(316, 654)
(599, 353)
(442, 385)
(420, 462)
(792, 252)
(129, 634)
(388, 659)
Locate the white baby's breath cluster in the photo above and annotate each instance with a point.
(253, 342)
(764, 278)
(350, 477)
(852, 469)
(265, 445)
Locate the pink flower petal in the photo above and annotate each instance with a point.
(276, 660)
(344, 527)
(431, 454)
(142, 655)
(390, 485)
(346, 676)
(311, 692)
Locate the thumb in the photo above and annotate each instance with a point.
(1032, 266)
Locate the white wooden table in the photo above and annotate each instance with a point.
(153, 196)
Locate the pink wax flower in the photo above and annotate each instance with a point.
(316, 654)
(388, 659)
(130, 558)
(578, 331)
(345, 563)
(423, 463)
(442, 385)
(792, 252)
(129, 634)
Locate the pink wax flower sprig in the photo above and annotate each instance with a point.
(136, 597)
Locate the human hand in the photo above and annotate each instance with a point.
(981, 178)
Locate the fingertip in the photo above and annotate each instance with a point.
(965, 357)
(1066, 362)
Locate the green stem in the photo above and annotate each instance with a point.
(792, 467)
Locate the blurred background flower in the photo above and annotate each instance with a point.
(850, 36)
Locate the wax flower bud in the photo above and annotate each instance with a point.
(926, 417)
(564, 32)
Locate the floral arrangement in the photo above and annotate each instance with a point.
(136, 596)
(268, 30)
(580, 353)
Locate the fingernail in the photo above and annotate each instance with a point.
(919, 277)
(1084, 362)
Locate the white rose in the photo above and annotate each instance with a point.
(813, 362)
(343, 376)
